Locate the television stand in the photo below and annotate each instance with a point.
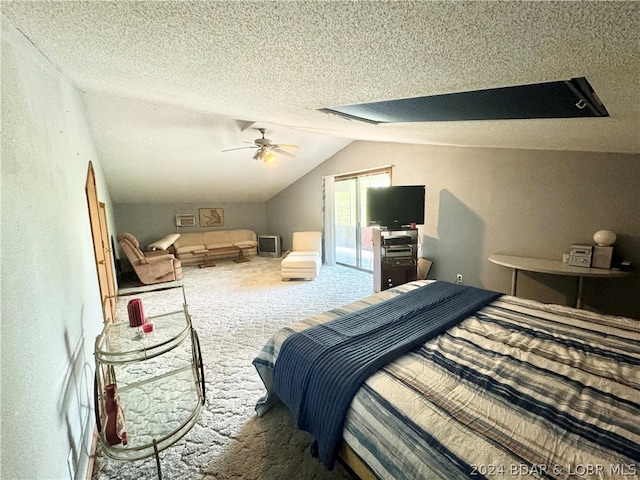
(395, 257)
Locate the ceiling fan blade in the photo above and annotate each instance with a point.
(283, 145)
(239, 148)
(283, 152)
(265, 150)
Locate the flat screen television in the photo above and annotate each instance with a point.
(395, 207)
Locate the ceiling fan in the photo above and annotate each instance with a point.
(266, 150)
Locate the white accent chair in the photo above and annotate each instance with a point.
(305, 257)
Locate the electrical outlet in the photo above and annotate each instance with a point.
(459, 278)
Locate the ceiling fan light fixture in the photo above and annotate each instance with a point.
(264, 155)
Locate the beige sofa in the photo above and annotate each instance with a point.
(219, 239)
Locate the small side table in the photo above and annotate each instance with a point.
(161, 402)
(553, 267)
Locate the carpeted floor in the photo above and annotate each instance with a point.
(235, 308)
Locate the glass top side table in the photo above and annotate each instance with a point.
(160, 382)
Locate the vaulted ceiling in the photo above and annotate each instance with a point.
(168, 85)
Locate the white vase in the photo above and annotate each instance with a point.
(604, 238)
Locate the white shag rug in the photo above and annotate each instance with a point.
(235, 308)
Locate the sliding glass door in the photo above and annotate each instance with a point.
(354, 243)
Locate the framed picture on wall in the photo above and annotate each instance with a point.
(211, 217)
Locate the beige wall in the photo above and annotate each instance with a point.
(482, 201)
(50, 310)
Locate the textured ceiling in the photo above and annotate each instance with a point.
(168, 85)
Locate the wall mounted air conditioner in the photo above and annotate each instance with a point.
(186, 220)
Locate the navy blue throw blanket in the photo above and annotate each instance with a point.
(319, 370)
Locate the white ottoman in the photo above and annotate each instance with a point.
(301, 265)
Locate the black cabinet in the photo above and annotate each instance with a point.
(395, 254)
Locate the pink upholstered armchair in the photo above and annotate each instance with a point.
(151, 267)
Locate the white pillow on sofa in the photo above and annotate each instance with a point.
(164, 242)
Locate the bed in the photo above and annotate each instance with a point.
(517, 389)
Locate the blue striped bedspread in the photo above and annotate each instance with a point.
(518, 390)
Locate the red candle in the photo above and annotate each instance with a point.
(136, 312)
(147, 327)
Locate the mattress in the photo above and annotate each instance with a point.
(519, 389)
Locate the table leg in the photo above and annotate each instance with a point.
(241, 258)
(580, 289)
(156, 451)
(514, 281)
(206, 262)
